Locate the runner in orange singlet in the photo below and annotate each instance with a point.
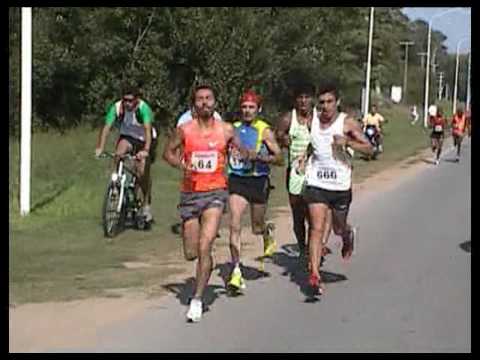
(459, 123)
(203, 144)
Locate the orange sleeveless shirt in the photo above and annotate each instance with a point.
(458, 124)
(206, 153)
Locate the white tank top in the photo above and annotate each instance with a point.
(325, 169)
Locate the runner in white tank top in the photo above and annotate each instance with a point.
(329, 177)
(293, 133)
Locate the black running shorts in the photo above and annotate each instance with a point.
(337, 200)
(255, 189)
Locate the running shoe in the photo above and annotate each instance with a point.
(236, 280)
(269, 244)
(194, 313)
(146, 211)
(314, 282)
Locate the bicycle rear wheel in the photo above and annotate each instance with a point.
(111, 219)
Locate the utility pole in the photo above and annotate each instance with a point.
(468, 80)
(369, 63)
(455, 89)
(440, 84)
(406, 44)
(26, 111)
(422, 54)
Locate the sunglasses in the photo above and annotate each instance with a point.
(129, 100)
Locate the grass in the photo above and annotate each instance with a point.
(58, 252)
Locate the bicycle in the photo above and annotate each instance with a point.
(122, 205)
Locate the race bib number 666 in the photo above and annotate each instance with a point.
(204, 161)
(327, 174)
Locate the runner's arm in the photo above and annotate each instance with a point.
(281, 132)
(233, 141)
(170, 152)
(355, 137)
(276, 157)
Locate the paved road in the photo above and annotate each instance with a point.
(407, 289)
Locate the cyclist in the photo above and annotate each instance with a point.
(137, 135)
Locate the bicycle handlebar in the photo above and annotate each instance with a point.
(113, 155)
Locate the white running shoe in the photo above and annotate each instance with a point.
(147, 213)
(194, 313)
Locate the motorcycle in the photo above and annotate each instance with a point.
(372, 135)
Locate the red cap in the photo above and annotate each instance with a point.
(250, 95)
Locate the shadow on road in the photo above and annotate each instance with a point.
(451, 160)
(184, 291)
(428, 161)
(466, 246)
(297, 270)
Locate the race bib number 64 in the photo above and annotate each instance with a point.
(204, 161)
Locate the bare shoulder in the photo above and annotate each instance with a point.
(285, 120)
(227, 127)
(228, 130)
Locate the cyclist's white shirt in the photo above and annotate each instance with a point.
(324, 169)
(187, 116)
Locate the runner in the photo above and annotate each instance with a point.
(203, 143)
(329, 177)
(293, 133)
(438, 125)
(183, 119)
(249, 180)
(459, 124)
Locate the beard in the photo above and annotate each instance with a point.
(205, 112)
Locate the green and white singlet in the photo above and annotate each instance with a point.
(300, 138)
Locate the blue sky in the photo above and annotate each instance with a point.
(454, 25)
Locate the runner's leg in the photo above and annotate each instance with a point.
(211, 218)
(237, 205)
(299, 215)
(439, 147)
(316, 232)
(191, 238)
(341, 226)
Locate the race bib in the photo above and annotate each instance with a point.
(237, 162)
(438, 128)
(326, 174)
(204, 161)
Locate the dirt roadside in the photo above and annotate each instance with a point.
(37, 327)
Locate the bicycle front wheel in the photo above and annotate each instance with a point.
(112, 219)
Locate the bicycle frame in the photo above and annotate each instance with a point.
(121, 174)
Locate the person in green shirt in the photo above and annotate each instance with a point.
(137, 135)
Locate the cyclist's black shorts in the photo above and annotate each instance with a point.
(139, 145)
